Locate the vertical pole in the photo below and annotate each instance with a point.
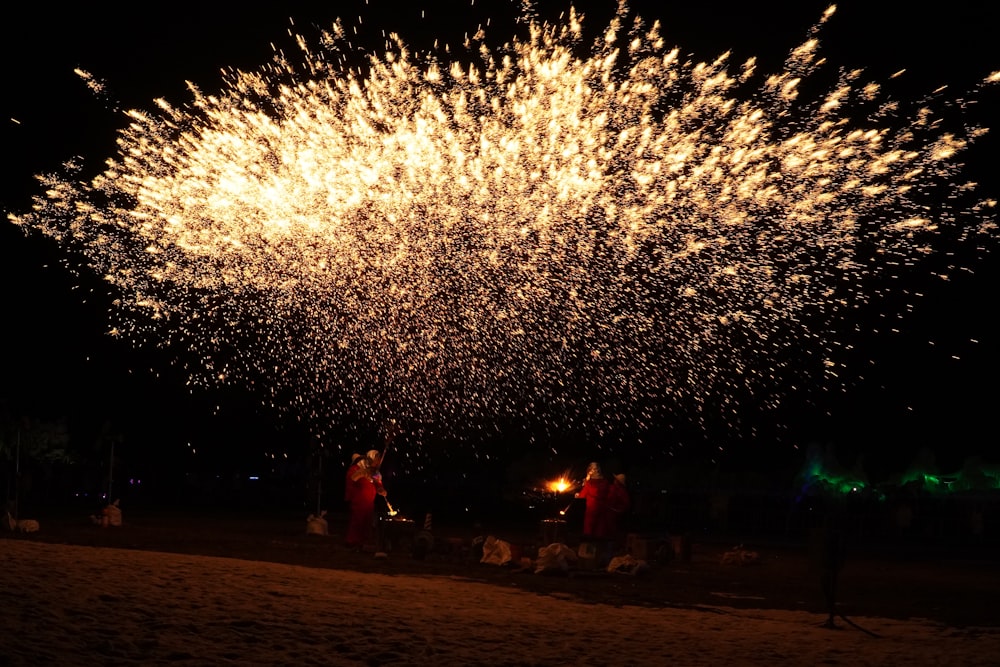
(17, 474)
(111, 468)
(319, 484)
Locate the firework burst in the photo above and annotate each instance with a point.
(587, 235)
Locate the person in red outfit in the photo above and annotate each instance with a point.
(363, 483)
(348, 485)
(619, 503)
(595, 492)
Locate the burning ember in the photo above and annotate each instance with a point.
(546, 492)
(560, 485)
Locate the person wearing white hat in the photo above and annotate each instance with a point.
(363, 484)
(595, 493)
(373, 460)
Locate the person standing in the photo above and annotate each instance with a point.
(348, 484)
(619, 503)
(595, 493)
(363, 484)
(349, 490)
(828, 553)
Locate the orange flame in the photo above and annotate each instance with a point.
(559, 485)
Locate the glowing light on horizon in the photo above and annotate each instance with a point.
(526, 233)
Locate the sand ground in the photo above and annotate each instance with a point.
(252, 590)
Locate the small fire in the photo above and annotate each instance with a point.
(559, 486)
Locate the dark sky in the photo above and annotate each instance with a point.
(933, 383)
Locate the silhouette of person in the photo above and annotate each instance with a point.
(595, 493)
(619, 503)
(363, 484)
(829, 553)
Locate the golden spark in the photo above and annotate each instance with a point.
(537, 231)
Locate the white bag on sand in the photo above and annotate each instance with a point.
(21, 525)
(495, 551)
(627, 564)
(554, 559)
(317, 524)
(739, 556)
(112, 515)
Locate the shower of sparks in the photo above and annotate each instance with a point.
(587, 238)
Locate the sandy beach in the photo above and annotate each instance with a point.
(85, 604)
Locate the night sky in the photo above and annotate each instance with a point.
(927, 379)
